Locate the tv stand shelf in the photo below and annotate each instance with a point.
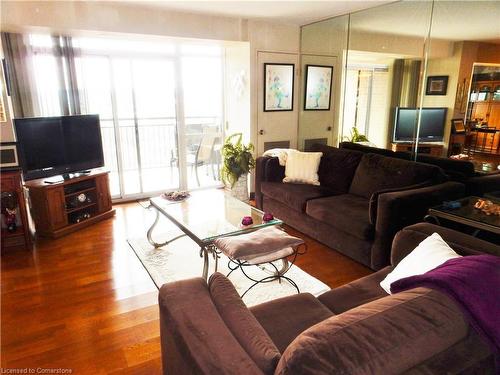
(433, 149)
(67, 206)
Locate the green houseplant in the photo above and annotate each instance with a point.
(238, 160)
(356, 137)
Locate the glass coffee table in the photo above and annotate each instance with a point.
(466, 214)
(204, 217)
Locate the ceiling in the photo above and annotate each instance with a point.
(293, 12)
(452, 20)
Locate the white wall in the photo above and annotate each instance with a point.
(447, 66)
(237, 89)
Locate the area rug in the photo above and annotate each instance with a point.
(180, 260)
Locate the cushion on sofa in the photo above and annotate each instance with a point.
(346, 212)
(337, 167)
(286, 318)
(355, 293)
(430, 253)
(302, 167)
(242, 323)
(376, 172)
(295, 195)
(386, 336)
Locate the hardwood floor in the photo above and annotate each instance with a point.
(84, 302)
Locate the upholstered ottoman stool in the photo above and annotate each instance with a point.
(263, 248)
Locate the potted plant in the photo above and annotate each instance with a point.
(356, 137)
(237, 163)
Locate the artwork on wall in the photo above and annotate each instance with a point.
(436, 85)
(318, 88)
(8, 155)
(278, 87)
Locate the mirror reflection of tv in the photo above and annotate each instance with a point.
(50, 146)
(431, 125)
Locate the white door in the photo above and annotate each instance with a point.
(276, 128)
(316, 126)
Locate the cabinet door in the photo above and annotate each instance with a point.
(103, 195)
(494, 115)
(56, 208)
(480, 110)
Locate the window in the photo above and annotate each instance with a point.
(366, 102)
(137, 88)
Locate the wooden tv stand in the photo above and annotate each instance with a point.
(57, 209)
(433, 149)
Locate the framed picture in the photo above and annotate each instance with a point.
(8, 155)
(278, 87)
(436, 85)
(458, 126)
(318, 88)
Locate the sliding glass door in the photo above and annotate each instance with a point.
(160, 106)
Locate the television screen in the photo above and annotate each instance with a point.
(49, 146)
(431, 124)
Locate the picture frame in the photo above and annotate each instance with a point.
(436, 85)
(318, 87)
(9, 158)
(278, 87)
(458, 126)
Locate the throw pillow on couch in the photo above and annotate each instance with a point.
(302, 167)
(430, 253)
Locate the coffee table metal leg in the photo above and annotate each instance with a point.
(150, 233)
(204, 253)
(432, 219)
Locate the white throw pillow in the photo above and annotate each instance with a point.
(430, 253)
(302, 167)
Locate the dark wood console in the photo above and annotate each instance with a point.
(434, 149)
(64, 207)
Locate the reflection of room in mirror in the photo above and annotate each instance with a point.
(436, 63)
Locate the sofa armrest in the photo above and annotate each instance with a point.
(408, 239)
(483, 184)
(267, 169)
(372, 210)
(397, 210)
(387, 336)
(194, 337)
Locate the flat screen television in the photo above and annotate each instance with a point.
(431, 124)
(50, 146)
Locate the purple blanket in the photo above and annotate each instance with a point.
(473, 282)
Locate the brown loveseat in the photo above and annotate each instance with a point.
(363, 200)
(356, 328)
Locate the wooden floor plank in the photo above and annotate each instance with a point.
(85, 302)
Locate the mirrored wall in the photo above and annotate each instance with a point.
(418, 77)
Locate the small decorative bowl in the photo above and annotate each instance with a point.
(247, 220)
(267, 217)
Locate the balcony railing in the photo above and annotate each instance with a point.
(149, 152)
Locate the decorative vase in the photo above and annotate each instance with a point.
(240, 188)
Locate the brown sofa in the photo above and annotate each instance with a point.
(457, 170)
(363, 200)
(354, 329)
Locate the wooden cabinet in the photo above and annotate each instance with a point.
(486, 109)
(423, 148)
(103, 195)
(65, 207)
(11, 182)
